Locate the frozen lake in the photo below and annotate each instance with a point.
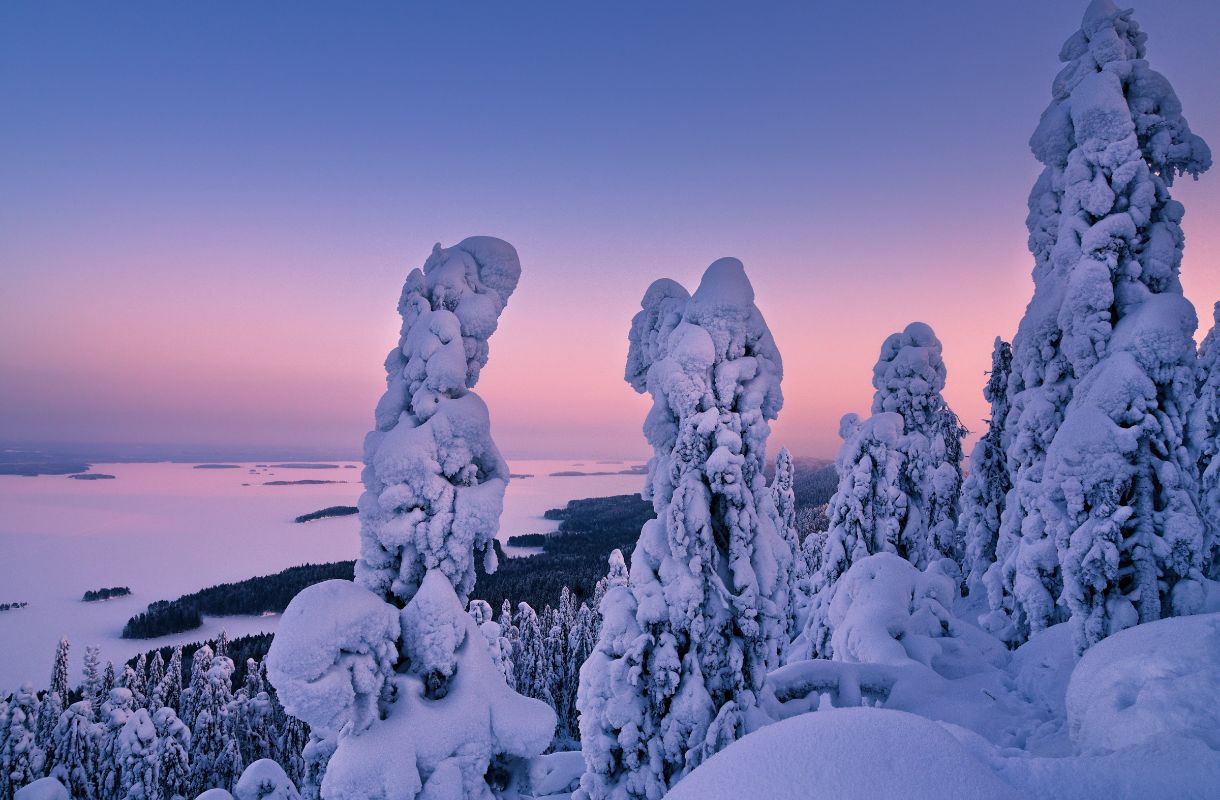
(169, 529)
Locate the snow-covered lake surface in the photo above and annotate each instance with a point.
(169, 529)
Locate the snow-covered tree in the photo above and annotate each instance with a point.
(168, 692)
(132, 680)
(986, 486)
(434, 480)
(1102, 518)
(53, 701)
(91, 684)
(116, 711)
(152, 680)
(908, 378)
(1205, 438)
(685, 646)
(137, 756)
(109, 681)
(194, 694)
(866, 513)
(75, 742)
(394, 663)
(783, 495)
(21, 759)
(215, 757)
(172, 755)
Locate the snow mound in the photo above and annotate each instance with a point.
(265, 780)
(336, 644)
(452, 716)
(43, 789)
(1148, 681)
(845, 753)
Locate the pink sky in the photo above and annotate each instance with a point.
(206, 224)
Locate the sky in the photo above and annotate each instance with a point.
(208, 209)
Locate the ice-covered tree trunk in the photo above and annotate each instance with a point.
(1102, 510)
(393, 664)
(684, 647)
(1205, 439)
(986, 487)
(908, 378)
(866, 513)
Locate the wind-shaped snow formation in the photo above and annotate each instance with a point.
(395, 678)
(686, 644)
(1102, 523)
(434, 480)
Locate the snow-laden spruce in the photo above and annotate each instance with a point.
(392, 673)
(434, 480)
(783, 495)
(909, 377)
(1205, 439)
(986, 487)
(686, 643)
(866, 515)
(1102, 523)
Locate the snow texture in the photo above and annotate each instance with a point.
(848, 754)
(333, 654)
(1153, 680)
(43, 789)
(685, 646)
(434, 480)
(1101, 524)
(265, 780)
(453, 722)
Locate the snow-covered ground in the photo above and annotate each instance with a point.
(168, 529)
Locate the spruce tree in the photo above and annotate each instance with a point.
(395, 640)
(1205, 439)
(867, 512)
(1103, 508)
(168, 693)
(75, 742)
(986, 488)
(21, 759)
(91, 684)
(704, 615)
(909, 377)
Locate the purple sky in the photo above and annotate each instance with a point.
(208, 210)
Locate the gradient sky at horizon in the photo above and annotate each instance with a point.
(208, 210)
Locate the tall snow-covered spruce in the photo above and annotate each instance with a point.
(909, 377)
(391, 672)
(686, 643)
(1205, 438)
(986, 488)
(900, 477)
(1102, 524)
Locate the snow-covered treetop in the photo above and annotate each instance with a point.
(434, 479)
(660, 312)
(909, 375)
